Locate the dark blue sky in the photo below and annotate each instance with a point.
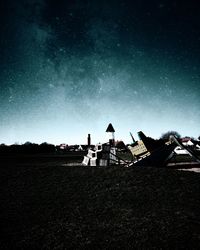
(68, 68)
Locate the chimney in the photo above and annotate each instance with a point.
(89, 140)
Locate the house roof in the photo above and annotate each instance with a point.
(185, 139)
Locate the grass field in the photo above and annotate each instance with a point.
(45, 205)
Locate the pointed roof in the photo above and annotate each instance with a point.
(110, 128)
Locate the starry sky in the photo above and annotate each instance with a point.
(68, 68)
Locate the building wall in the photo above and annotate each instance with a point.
(139, 149)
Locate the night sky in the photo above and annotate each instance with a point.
(68, 68)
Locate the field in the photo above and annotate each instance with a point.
(48, 205)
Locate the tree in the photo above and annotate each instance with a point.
(165, 136)
(46, 148)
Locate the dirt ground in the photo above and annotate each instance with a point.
(46, 205)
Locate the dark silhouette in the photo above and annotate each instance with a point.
(165, 136)
(27, 148)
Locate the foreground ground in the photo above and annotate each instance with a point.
(46, 205)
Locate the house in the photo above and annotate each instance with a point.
(187, 141)
(63, 146)
(73, 148)
(83, 147)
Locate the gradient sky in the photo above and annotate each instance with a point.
(68, 68)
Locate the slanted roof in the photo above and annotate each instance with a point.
(110, 128)
(185, 139)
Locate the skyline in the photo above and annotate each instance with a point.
(68, 69)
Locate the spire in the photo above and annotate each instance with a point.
(110, 128)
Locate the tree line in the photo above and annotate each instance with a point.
(45, 147)
(27, 148)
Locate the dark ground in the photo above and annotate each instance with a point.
(45, 205)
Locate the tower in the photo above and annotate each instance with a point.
(89, 140)
(111, 130)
